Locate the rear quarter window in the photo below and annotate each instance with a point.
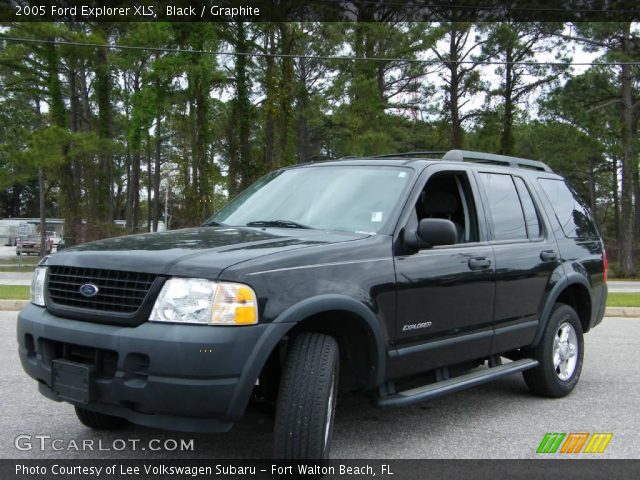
(572, 214)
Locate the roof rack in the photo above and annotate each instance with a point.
(476, 157)
(493, 159)
(434, 153)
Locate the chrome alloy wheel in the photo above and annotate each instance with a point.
(565, 351)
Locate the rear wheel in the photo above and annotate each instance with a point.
(307, 399)
(559, 353)
(99, 421)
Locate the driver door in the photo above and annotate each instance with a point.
(445, 293)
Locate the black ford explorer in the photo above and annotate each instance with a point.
(397, 275)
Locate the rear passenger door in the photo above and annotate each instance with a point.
(525, 252)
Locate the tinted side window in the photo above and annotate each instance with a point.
(448, 195)
(504, 207)
(529, 209)
(570, 212)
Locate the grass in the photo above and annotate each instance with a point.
(15, 268)
(623, 300)
(14, 261)
(14, 292)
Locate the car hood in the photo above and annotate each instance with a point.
(193, 252)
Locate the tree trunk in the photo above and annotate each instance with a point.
(156, 174)
(103, 194)
(41, 192)
(149, 185)
(242, 171)
(43, 218)
(507, 142)
(616, 200)
(286, 90)
(134, 187)
(70, 196)
(270, 103)
(592, 185)
(135, 144)
(454, 91)
(303, 124)
(626, 260)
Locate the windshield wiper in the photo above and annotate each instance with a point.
(276, 223)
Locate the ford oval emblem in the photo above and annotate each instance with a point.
(88, 290)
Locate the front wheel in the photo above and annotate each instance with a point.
(559, 353)
(307, 399)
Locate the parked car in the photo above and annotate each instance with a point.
(31, 245)
(397, 275)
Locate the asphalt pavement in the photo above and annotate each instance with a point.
(496, 420)
(15, 278)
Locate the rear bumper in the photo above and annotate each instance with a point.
(176, 377)
(599, 304)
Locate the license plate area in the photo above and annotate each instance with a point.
(73, 381)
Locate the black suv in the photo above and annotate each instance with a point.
(396, 275)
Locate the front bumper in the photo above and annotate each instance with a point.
(196, 378)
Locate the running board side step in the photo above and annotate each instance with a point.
(443, 387)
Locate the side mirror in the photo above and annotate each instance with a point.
(431, 232)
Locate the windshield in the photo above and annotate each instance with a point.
(347, 198)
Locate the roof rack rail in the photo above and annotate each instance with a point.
(493, 159)
(433, 153)
(469, 156)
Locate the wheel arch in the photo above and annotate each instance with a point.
(311, 315)
(354, 326)
(575, 291)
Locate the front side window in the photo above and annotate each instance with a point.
(347, 198)
(448, 195)
(504, 206)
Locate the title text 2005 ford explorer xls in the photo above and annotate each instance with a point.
(398, 275)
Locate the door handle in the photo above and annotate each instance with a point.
(548, 255)
(479, 263)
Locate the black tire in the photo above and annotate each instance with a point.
(544, 380)
(307, 398)
(99, 421)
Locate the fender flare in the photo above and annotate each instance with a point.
(571, 279)
(327, 302)
(288, 320)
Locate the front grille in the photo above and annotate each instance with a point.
(118, 291)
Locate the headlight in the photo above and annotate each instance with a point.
(195, 300)
(37, 286)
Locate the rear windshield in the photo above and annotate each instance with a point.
(573, 215)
